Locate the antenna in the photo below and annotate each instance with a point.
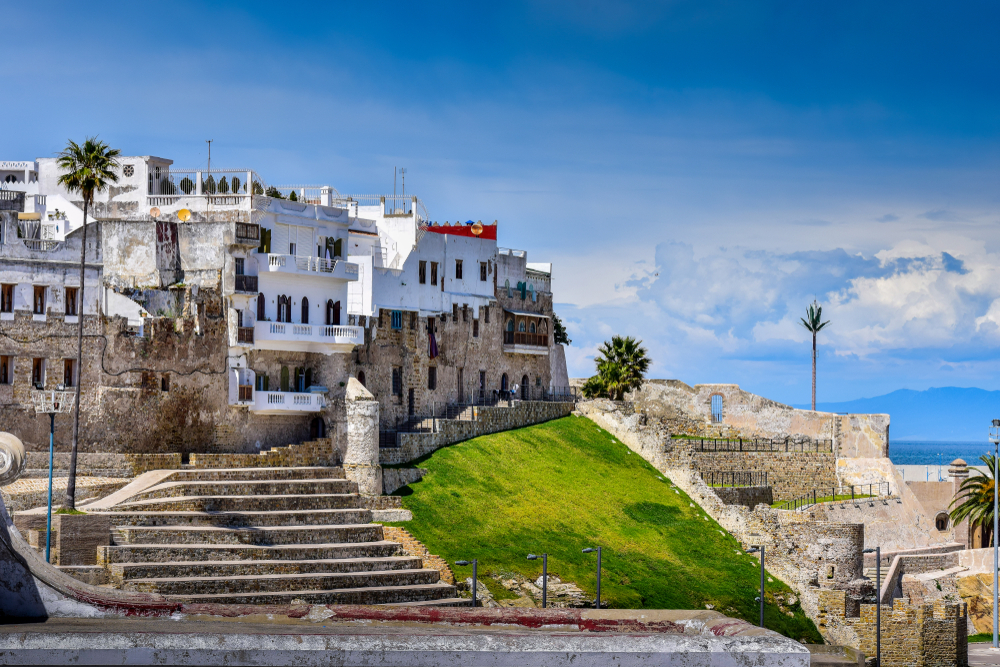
(209, 142)
(402, 173)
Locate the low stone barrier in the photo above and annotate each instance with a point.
(748, 496)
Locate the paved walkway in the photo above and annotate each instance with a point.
(982, 653)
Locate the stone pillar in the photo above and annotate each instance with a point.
(959, 472)
(361, 462)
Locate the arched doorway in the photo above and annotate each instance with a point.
(317, 429)
(261, 305)
(361, 378)
(503, 386)
(525, 389)
(305, 310)
(332, 313)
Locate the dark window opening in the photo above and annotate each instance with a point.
(6, 370)
(482, 271)
(239, 266)
(396, 319)
(413, 321)
(69, 376)
(397, 381)
(475, 328)
(71, 298)
(7, 299)
(361, 378)
(305, 310)
(486, 314)
(422, 272)
(941, 522)
(261, 308)
(432, 378)
(434, 273)
(458, 269)
(39, 302)
(454, 312)
(165, 383)
(38, 373)
(465, 312)
(332, 312)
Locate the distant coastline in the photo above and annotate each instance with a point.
(935, 452)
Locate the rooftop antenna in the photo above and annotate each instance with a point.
(402, 173)
(209, 142)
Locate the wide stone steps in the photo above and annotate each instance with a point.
(242, 519)
(251, 535)
(267, 487)
(366, 595)
(253, 474)
(220, 568)
(258, 503)
(198, 553)
(281, 583)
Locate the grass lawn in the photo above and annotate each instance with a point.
(981, 637)
(568, 484)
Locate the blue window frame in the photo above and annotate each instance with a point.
(396, 319)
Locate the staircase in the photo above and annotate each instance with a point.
(262, 536)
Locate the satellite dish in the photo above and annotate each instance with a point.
(154, 212)
(184, 215)
(477, 228)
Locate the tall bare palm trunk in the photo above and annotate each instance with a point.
(814, 373)
(71, 482)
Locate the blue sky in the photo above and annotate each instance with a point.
(698, 172)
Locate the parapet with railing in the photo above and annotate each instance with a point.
(788, 444)
(726, 478)
(870, 493)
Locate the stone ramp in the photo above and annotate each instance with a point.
(259, 535)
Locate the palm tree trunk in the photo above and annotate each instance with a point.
(814, 373)
(71, 482)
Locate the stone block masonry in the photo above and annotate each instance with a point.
(747, 496)
(414, 547)
(790, 474)
(490, 420)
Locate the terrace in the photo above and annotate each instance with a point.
(319, 338)
(304, 265)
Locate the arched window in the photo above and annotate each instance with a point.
(520, 326)
(503, 382)
(716, 408)
(332, 312)
(941, 522)
(261, 308)
(531, 292)
(361, 378)
(309, 377)
(510, 325)
(532, 328)
(305, 310)
(284, 309)
(525, 388)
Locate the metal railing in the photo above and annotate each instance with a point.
(11, 200)
(758, 444)
(40, 245)
(391, 204)
(734, 478)
(246, 284)
(857, 492)
(523, 338)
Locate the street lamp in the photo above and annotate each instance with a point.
(760, 550)
(475, 564)
(590, 550)
(878, 603)
(545, 575)
(50, 403)
(995, 439)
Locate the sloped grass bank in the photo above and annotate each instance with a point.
(567, 484)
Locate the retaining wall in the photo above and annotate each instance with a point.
(747, 496)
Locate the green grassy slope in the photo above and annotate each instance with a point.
(568, 484)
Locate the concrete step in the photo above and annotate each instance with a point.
(250, 474)
(259, 487)
(242, 519)
(257, 503)
(266, 535)
(198, 553)
(281, 583)
(220, 568)
(370, 595)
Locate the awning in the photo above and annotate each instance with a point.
(29, 216)
(524, 312)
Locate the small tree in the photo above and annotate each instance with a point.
(209, 185)
(621, 367)
(559, 336)
(236, 185)
(274, 192)
(257, 188)
(187, 185)
(974, 500)
(223, 185)
(87, 169)
(814, 324)
(292, 196)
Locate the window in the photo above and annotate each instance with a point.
(716, 408)
(332, 312)
(396, 319)
(532, 328)
(240, 262)
(510, 325)
(69, 374)
(397, 381)
(430, 324)
(128, 171)
(291, 248)
(38, 373)
(465, 312)
(458, 269)
(6, 298)
(361, 378)
(305, 310)
(475, 328)
(6, 370)
(239, 317)
(506, 284)
(165, 383)
(454, 312)
(432, 378)
(482, 380)
(482, 271)
(39, 301)
(434, 273)
(486, 314)
(520, 326)
(941, 522)
(71, 297)
(261, 305)
(422, 272)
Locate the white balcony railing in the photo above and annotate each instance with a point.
(281, 402)
(307, 337)
(304, 264)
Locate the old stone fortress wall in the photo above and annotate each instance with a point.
(221, 320)
(697, 435)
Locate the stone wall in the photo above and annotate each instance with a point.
(923, 635)
(397, 478)
(747, 496)
(790, 474)
(411, 546)
(490, 420)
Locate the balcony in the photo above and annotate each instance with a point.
(305, 265)
(246, 284)
(244, 335)
(519, 342)
(307, 337)
(247, 234)
(286, 402)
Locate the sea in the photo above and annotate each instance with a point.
(935, 453)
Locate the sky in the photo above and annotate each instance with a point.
(697, 172)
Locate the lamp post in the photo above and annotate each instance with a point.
(545, 575)
(878, 603)
(590, 550)
(760, 550)
(50, 403)
(475, 564)
(995, 439)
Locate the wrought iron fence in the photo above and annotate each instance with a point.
(758, 444)
(246, 284)
(734, 478)
(248, 233)
(857, 492)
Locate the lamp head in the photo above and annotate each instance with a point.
(868, 551)
(462, 562)
(589, 550)
(753, 550)
(532, 557)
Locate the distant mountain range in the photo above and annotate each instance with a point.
(943, 413)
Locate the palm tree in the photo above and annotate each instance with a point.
(813, 323)
(87, 169)
(974, 500)
(621, 367)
